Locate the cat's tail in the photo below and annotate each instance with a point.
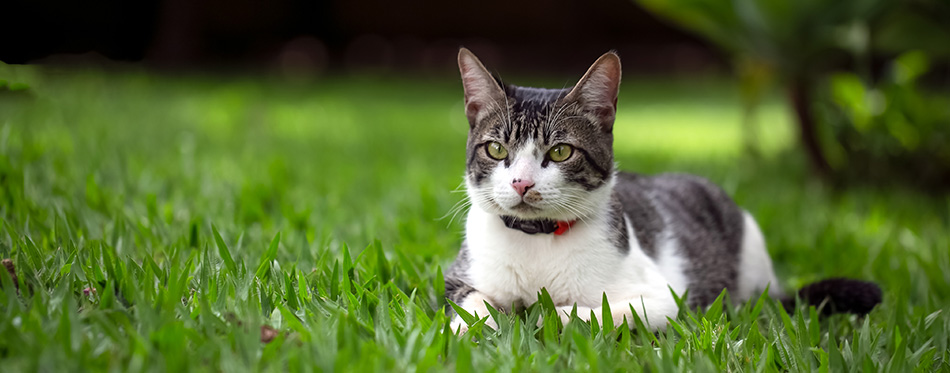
(837, 295)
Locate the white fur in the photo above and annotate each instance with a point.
(671, 263)
(509, 268)
(755, 265)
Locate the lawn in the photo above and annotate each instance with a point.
(157, 222)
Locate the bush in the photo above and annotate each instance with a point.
(892, 131)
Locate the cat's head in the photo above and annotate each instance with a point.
(540, 153)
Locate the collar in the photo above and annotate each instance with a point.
(545, 226)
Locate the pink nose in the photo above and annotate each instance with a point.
(521, 186)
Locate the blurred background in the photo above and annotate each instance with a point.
(345, 35)
(308, 114)
(864, 83)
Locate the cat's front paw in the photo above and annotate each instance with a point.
(475, 304)
(459, 326)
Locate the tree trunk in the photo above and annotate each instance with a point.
(800, 95)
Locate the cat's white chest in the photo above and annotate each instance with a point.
(512, 267)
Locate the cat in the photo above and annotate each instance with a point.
(549, 210)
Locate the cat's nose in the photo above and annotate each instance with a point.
(521, 186)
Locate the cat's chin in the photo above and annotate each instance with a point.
(524, 211)
(521, 211)
(527, 212)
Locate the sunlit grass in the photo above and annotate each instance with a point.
(157, 222)
(699, 131)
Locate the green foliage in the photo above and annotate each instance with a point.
(893, 129)
(156, 223)
(794, 37)
(915, 25)
(893, 132)
(779, 41)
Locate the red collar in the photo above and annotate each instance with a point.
(563, 226)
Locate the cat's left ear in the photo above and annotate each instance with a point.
(597, 90)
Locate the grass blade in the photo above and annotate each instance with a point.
(268, 257)
(224, 252)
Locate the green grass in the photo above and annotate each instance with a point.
(201, 208)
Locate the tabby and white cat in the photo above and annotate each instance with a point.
(550, 211)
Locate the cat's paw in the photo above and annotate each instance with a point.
(459, 326)
(475, 304)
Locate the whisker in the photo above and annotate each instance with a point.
(556, 120)
(458, 207)
(568, 117)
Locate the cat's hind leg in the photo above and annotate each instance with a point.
(653, 305)
(755, 265)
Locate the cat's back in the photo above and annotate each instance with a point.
(691, 203)
(693, 199)
(701, 221)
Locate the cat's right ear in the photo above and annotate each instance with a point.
(597, 90)
(482, 92)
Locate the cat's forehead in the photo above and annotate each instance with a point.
(534, 99)
(532, 115)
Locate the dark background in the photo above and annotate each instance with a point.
(341, 35)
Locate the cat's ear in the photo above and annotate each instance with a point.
(597, 90)
(482, 92)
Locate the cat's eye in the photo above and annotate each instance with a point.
(560, 152)
(495, 150)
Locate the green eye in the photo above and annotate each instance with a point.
(560, 152)
(495, 150)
